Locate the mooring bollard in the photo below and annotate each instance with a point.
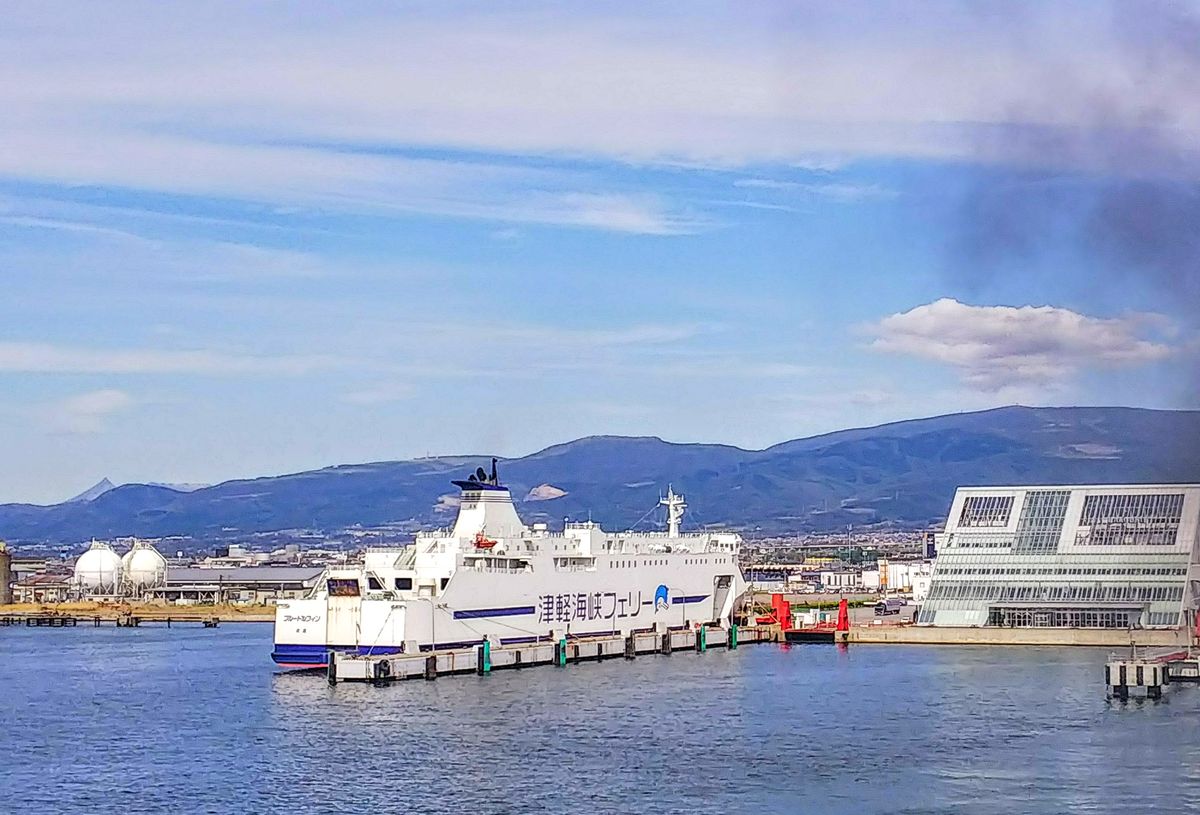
(383, 672)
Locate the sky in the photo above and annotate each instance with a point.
(246, 239)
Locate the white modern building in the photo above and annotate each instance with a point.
(1069, 556)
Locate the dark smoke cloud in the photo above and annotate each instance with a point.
(1122, 189)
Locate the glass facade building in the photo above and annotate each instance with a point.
(1076, 557)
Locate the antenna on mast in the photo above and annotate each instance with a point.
(675, 507)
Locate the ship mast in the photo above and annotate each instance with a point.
(675, 507)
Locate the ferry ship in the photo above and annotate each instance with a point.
(492, 576)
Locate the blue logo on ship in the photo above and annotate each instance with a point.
(661, 600)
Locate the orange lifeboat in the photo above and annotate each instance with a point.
(483, 542)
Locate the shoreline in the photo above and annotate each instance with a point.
(145, 612)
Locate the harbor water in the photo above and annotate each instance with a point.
(193, 720)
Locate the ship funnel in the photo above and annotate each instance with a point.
(486, 507)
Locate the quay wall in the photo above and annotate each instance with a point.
(1102, 637)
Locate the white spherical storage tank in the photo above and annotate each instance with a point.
(98, 570)
(143, 567)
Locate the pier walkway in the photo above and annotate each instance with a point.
(483, 659)
(208, 620)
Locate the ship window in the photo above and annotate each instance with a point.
(404, 583)
(445, 580)
(342, 587)
(373, 584)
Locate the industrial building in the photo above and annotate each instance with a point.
(899, 576)
(49, 587)
(243, 584)
(1068, 557)
(6, 575)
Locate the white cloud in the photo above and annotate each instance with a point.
(227, 99)
(326, 179)
(999, 347)
(86, 413)
(841, 192)
(33, 357)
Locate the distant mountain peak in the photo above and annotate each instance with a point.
(93, 492)
(898, 475)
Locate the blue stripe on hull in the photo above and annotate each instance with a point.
(450, 646)
(521, 640)
(476, 613)
(317, 656)
(691, 599)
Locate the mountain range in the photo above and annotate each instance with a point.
(902, 474)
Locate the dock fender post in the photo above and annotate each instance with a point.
(560, 653)
(701, 640)
(431, 666)
(330, 667)
(733, 631)
(485, 657)
(666, 643)
(630, 646)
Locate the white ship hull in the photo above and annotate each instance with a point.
(493, 577)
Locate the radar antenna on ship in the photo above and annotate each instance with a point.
(480, 479)
(675, 506)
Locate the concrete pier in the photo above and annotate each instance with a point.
(43, 621)
(1137, 675)
(1090, 637)
(1149, 674)
(483, 659)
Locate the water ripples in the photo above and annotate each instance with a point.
(197, 721)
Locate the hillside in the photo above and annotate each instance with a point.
(903, 473)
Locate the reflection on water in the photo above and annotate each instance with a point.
(194, 720)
